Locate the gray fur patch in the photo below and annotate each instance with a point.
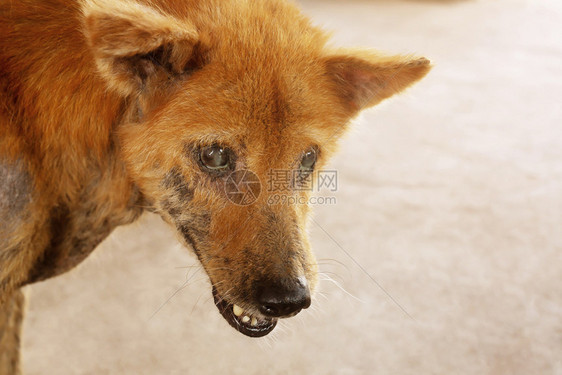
(15, 195)
(15, 189)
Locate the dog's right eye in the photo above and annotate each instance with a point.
(308, 160)
(215, 157)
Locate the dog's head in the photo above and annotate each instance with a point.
(226, 99)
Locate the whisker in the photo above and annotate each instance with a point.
(323, 295)
(335, 261)
(223, 297)
(327, 274)
(195, 305)
(328, 278)
(379, 285)
(183, 286)
(193, 266)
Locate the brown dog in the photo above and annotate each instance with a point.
(108, 108)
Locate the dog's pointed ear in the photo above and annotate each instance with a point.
(135, 45)
(362, 80)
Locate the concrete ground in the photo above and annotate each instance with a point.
(445, 241)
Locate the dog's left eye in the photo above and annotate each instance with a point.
(309, 159)
(215, 157)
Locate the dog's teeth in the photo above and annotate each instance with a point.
(237, 310)
(245, 319)
(254, 321)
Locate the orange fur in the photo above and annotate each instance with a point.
(104, 105)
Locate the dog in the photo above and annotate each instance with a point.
(109, 108)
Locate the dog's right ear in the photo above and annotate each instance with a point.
(362, 79)
(136, 46)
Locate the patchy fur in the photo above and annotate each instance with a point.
(15, 195)
(106, 106)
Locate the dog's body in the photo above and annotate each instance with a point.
(111, 107)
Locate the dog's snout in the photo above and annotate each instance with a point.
(280, 299)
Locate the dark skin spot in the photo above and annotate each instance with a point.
(4, 286)
(170, 208)
(186, 233)
(175, 182)
(60, 217)
(194, 229)
(74, 235)
(82, 245)
(198, 226)
(180, 194)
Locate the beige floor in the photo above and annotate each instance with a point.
(456, 213)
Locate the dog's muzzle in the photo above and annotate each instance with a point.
(274, 300)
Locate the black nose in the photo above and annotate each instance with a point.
(282, 298)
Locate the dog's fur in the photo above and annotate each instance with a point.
(104, 104)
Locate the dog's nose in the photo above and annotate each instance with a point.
(278, 299)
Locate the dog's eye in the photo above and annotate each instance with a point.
(308, 160)
(215, 157)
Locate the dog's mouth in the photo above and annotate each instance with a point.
(245, 323)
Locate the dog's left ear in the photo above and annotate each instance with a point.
(137, 47)
(362, 80)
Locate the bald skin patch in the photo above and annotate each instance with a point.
(15, 195)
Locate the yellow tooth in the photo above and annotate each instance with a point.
(254, 322)
(237, 310)
(245, 319)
